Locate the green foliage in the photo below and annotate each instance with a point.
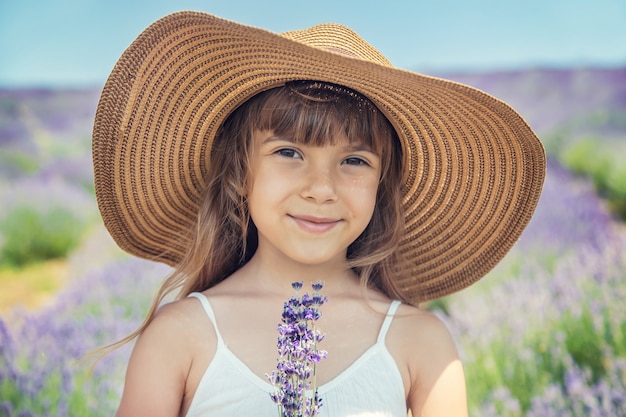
(603, 162)
(586, 341)
(524, 374)
(22, 162)
(614, 119)
(33, 405)
(30, 234)
(439, 304)
(49, 400)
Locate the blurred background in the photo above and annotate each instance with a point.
(544, 334)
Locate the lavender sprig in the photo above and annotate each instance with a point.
(295, 388)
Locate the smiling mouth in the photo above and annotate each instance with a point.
(315, 224)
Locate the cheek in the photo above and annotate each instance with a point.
(265, 187)
(364, 192)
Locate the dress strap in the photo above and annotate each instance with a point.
(393, 307)
(209, 312)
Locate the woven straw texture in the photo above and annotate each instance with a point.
(473, 168)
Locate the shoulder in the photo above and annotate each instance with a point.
(420, 342)
(172, 333)
(183, 327)
(178, 318)
(413, 330)
(421, 326)
(157, 377)
(429, 363)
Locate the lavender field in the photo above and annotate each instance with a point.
(544, 334)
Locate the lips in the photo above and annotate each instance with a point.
(314, 224)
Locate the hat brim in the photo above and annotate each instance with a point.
(473, 168)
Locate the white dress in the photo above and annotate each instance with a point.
(370, 387)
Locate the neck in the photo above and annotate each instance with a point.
(267, 276)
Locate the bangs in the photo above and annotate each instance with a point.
(316, 113)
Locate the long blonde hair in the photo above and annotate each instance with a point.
(308, 112)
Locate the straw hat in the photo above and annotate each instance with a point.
(473, 168)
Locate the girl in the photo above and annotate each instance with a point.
(249, 160)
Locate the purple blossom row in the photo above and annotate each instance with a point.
(43, 193)
(545, 333)
(43, 367)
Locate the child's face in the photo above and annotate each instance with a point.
(309, 203)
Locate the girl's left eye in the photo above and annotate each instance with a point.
(354, 160)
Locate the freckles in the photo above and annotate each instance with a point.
(364, 192)
(363, 185)
(357, 181)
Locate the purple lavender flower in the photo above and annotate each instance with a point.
(41, 371)
(294, 381)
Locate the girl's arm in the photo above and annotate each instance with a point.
(155, 378)
(436, 373)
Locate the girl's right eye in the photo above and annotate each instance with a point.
(288, 153)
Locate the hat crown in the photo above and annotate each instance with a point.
(333, 37)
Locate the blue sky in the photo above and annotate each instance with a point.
(76, 42)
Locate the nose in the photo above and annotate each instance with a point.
(319, 185)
